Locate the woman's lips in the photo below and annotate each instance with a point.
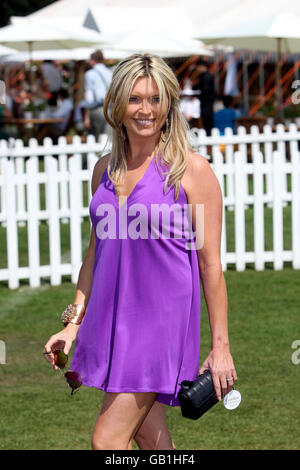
(144, 122)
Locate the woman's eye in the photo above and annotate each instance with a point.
(135, 99)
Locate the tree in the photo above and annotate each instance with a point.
(10, 8)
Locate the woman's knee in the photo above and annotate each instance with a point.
(121, 414)
(103, 443)
(154, 434)
(106, 439)
(154, 443)
(144, 442)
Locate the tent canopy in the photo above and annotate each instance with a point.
(43, 36)
(143, 39)
(200, 13)
(259, 34)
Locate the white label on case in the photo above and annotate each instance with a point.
(232, 400)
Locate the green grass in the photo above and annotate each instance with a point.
(37, 411)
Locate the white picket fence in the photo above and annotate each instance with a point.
(64, 175)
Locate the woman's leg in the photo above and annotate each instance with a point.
(153, 434)
(120, 416)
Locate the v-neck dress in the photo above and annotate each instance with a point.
(141, 329)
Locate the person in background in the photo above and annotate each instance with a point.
(40, 88)
(66, 76)
(18, 96)
(190, 107)
(227, 116)
(64, 110)
(96, 82)
(4, 112)
(238, 106)
(54, 80)
(203, 82)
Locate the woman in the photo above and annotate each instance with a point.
(140, 294)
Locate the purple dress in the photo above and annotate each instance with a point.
(141, 330)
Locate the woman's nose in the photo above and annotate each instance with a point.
(146, 108)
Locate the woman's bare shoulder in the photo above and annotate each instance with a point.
(199, 177)
(197, 162)
(196, 166)
(99, 170)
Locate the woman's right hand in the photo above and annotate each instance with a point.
(61, 340)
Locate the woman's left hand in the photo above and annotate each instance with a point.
(220, 364)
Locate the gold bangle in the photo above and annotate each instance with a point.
(74, 313)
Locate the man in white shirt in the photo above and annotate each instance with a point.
(96, 83)
(190, 106)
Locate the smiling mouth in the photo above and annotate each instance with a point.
(144, 122)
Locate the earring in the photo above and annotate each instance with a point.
(165, 130)
(167, 126)
(121, 132)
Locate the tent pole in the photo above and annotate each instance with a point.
(262, 75)
(30, 63)
(245, 85)
(278, 76)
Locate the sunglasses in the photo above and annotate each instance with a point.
(73, 378)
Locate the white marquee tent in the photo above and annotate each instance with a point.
(4, 51)
(34, 35)
(165, 30)
(142, 39)
(204, 16)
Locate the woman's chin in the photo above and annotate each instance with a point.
(146, 132)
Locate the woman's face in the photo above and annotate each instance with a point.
(143, 109)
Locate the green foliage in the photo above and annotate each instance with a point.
(268, 110)
(292, 111)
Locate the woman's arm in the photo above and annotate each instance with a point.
(84, 283)
(85, 278)
(204, 189)
(65, 337)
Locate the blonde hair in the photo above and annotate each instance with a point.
(173, 144)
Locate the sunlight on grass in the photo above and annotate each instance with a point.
(37, 409)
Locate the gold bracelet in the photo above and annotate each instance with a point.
(74, 313)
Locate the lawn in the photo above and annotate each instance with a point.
(37, 411)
